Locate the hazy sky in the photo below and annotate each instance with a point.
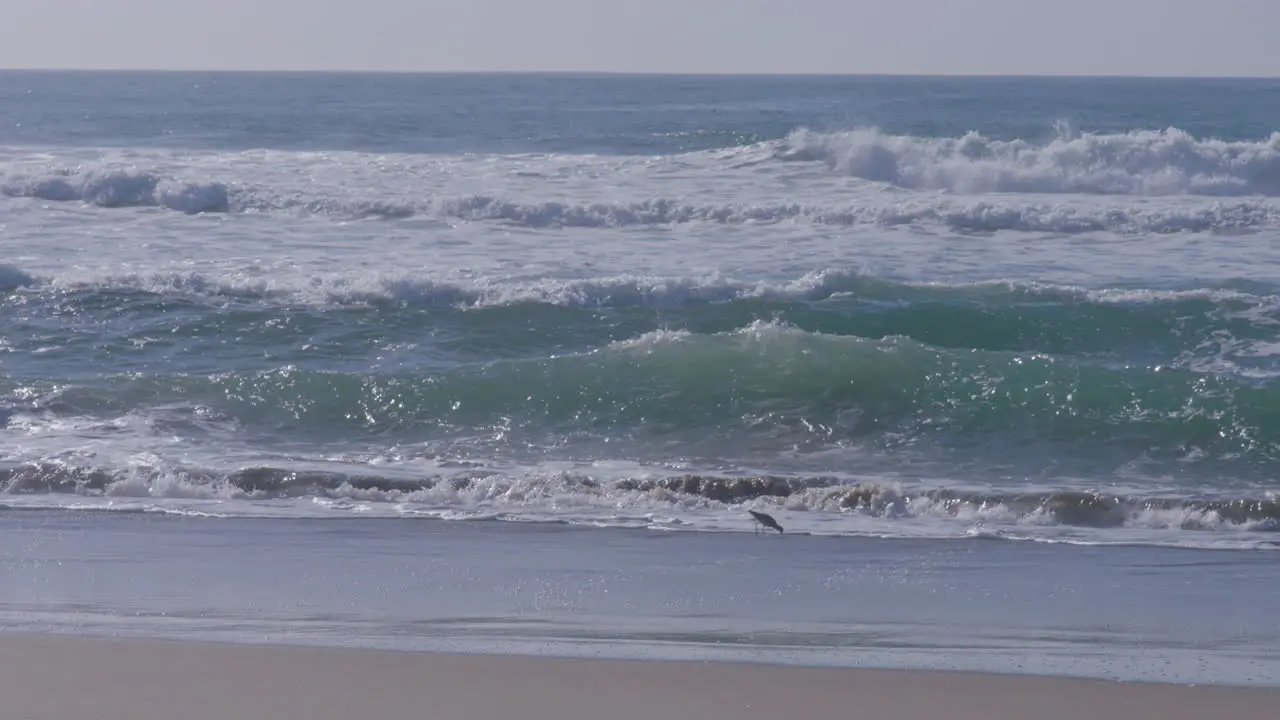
(1129, 37)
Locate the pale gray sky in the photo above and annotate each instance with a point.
(1110, 37)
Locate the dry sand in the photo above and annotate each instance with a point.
(74, 678)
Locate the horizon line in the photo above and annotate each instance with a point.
(632, 73)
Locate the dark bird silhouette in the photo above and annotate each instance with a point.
(766, 520)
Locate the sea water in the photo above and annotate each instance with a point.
(974, 338)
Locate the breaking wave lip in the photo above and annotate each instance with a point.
(1139, 162)
(655, 502)
(107, 187)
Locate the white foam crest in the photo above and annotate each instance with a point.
(239, 185)
(650, 340)
(533, 496)
(565, 497)
(369, 286)
(33, 423)
(889, 502)
(360, 287)
(978, 216)
(1142, 162)
(292, 285)
(128, 187)
(1143, 295)
(147, 482)
(1190, 518)
(756, 332)
(627, 289)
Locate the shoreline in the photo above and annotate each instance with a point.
(493, 588)
(61, 677)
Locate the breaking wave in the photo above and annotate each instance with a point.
(122, 188)
(1236, 181)
(663, 502)
(975, 217)
(765, 385)
(626, 290)
(1141, 162)
(1228, 330)
(119, 189)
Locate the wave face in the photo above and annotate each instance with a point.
(769, 386)
(1229, 329)
(870, 307)
(852, 404)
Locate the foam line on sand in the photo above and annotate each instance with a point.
(72, 678)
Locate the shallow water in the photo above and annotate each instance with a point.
(1127, 613)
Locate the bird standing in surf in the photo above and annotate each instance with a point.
(765, 520)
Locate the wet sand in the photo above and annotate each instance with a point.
(75, 678)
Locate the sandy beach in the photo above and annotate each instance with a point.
(74, 678)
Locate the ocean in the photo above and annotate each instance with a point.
(502, 361)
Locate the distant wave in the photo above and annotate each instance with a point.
(1140, 162)
(971, 217)
(963, 217)
(108, 187)
(915, 163)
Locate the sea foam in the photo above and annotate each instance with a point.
(1141, 162)
(691, 503)
(1072, 183)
